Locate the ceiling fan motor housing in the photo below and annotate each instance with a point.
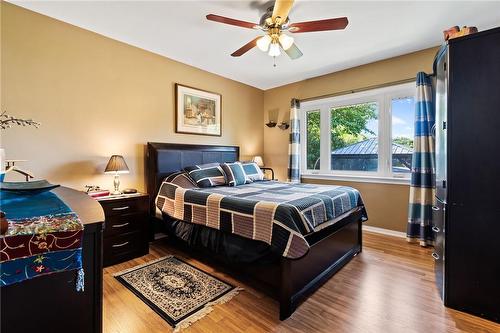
(266, 20)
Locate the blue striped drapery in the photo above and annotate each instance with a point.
(294, 145)
(423, 165)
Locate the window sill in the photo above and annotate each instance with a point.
(361, 179)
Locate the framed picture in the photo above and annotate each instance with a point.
(197, 111)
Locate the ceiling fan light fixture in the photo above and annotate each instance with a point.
(274, 23)
(263, 43)
(274, 50)
(285, 41)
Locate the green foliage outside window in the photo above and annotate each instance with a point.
(349, 124)
(404, 141)
(313, 139)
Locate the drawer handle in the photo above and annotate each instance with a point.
(121, 208)
(435, 229)
(435, 208)
(120, 225)
(435, 255)
(120, 245)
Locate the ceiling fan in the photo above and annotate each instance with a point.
(275, 22)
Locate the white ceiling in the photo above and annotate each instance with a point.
(178, 30)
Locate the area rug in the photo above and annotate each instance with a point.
(178, 292)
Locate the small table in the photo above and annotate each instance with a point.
(126, 228)
(268, 169)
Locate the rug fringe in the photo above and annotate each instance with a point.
(125, 271)
(206, 310)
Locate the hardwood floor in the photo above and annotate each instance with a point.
(389, 287)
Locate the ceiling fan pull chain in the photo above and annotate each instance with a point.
(274, 60)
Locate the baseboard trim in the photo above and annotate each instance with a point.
(383, 231)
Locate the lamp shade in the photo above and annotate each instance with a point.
(258, 160)
(116, 164)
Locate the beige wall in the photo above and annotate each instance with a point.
(95, 97)
(387, 204)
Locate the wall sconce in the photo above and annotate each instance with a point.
(273, 117)
(273, 120)
(283, 126)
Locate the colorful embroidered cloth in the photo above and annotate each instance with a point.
(279, 214)
(44, 236)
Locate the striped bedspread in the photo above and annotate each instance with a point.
(279, 214)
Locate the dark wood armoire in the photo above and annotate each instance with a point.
(466, 217)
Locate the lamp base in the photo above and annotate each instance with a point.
(116, 183)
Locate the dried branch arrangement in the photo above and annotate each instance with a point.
(7, 121)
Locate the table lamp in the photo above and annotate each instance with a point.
(116, 165)
(258, 160)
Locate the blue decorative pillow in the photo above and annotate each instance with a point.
(206, 175)
(235, 175)
(253, 172)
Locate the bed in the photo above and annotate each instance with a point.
(292, 253)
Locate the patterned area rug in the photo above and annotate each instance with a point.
(178, 292)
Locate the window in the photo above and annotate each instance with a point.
(313, 122)
(354, 130)
(402, 111)
(366, 134)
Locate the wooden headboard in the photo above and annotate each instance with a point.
(163, 159)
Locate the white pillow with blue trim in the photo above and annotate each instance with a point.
(252, 171)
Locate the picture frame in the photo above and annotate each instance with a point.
(197, 111)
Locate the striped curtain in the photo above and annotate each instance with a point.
(294, 145)
(423, 165)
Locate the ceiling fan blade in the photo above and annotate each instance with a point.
(245, 48)
(320, 25)
(294, 52)
(281, 9)
(227, 20)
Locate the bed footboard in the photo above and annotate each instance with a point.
(301, 277)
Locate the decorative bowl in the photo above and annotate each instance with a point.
(33, 187)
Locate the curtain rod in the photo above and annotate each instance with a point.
(352, 91)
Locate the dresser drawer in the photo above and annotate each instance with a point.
(123, 247)
(126, 223)
(120, 207)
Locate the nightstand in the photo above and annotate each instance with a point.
(126, 228)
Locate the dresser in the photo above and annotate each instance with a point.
(126, 228)
(50, 303)
(467, 210)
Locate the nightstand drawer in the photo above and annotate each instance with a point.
(120, 207)
(126, 228)
(126, 223)
(123, 247)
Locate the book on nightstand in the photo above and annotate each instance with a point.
(98, 194)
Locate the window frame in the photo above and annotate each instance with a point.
(383, 97)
